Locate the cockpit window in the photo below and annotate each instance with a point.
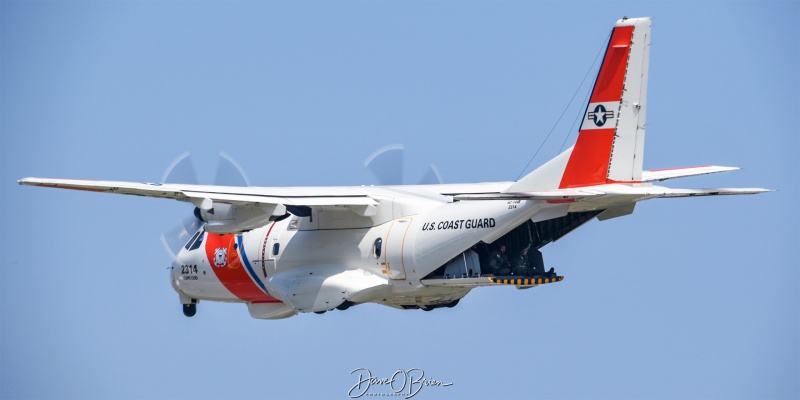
(189, 243)
(198, 242)
(376, 248)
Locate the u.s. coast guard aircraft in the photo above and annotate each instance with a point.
(286, 250)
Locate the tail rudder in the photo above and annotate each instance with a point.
(610, 145)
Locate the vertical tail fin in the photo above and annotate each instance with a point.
(610, 145)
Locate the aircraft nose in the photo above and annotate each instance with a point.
(175, 267)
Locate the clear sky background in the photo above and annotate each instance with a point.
(687, 298)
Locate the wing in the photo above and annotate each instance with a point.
(198, 194)
(229, 209)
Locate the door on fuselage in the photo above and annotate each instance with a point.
(393, 248)
(270, 250)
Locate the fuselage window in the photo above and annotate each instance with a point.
(189, 243)
(198, 242)
(275, 248)
(376, 248)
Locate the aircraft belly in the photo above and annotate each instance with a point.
(425, 296)
(207, 291)
(322, 288)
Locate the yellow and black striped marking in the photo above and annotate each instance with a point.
(526, 281)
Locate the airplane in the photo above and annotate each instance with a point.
(289, 250)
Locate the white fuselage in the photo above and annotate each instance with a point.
(381, 258)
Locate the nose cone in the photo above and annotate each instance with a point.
(175, 268)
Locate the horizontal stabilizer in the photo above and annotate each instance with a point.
(669, 193)
(664, 174)
(547, 195)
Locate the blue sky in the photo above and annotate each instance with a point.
(687, 298)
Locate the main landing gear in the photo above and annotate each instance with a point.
(344, 306)
(430, 307)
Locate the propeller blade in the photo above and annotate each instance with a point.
(229, 172)
(386, 164)
(432, 177)
(177, 237)
(180, 170)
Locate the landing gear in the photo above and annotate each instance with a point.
(430, 307)
(190, 310)
(345, 305)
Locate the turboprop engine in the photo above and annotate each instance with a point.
(231, 218)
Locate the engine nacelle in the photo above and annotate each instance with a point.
(232, 218)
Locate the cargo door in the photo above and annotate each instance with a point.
(393, 248)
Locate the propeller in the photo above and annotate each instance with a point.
(386, 164)
(181, 170)
(229, 172)
(176, 237)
